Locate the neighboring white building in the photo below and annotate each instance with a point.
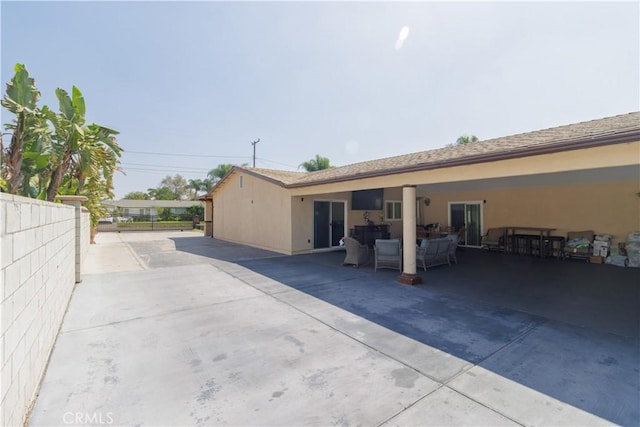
(151, 208)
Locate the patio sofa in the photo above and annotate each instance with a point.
(432, 252)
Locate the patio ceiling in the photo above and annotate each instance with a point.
(610, 174)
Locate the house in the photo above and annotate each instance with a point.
(148, 208)
(574, 177)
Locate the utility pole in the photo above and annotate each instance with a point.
(254, 151)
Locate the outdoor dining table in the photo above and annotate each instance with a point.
(510, 232)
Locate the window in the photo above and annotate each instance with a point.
(392, 210)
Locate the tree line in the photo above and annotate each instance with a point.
(178, 188)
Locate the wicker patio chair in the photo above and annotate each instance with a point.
(388, 254)
(357, 253)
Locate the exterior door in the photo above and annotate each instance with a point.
(328, 223)
(469, 215)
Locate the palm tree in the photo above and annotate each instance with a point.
(466, 139)
(197, 185)
(316, 164)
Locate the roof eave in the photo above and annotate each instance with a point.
(620, 138)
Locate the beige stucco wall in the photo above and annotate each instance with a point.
(611, 207)
(302, 214)
(257, 214)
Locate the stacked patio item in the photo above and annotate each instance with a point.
(578, 244)
(601, 245)
(632, 248)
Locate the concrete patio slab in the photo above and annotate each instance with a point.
(135, 295)
(446, 407)
(233, 362)
(520, 403)
(197, 331)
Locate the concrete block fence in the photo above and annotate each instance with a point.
(42, 245)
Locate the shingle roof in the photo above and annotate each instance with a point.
(284, 177)
(608, 130)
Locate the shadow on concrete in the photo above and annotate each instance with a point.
(568, 329)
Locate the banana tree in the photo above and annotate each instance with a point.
(27, 156)
(77, 147)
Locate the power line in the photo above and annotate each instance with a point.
(152, 153)
(209, 156)
(164, 171)
(277, 163)
(167, 166)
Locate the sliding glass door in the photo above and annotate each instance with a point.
(468, 215)
(328, 223)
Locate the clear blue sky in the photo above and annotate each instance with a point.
(208, 78)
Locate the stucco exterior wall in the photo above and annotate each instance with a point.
(302, 218)
(611, 207)
(37, 256)
(253, 211)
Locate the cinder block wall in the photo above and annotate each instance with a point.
(37, 278)
(85, 239)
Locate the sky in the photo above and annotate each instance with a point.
(190, 85)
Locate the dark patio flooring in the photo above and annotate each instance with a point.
(567, 329)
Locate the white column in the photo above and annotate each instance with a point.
(409, 275)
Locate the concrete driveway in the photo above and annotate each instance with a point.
(179, 329)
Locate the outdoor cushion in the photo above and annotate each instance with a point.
(390, 247)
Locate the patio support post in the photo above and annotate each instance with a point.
(409, 276)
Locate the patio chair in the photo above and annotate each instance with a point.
(494, 239)
(388, 254)
(462, 237)
(453, 247)
(357, 253)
